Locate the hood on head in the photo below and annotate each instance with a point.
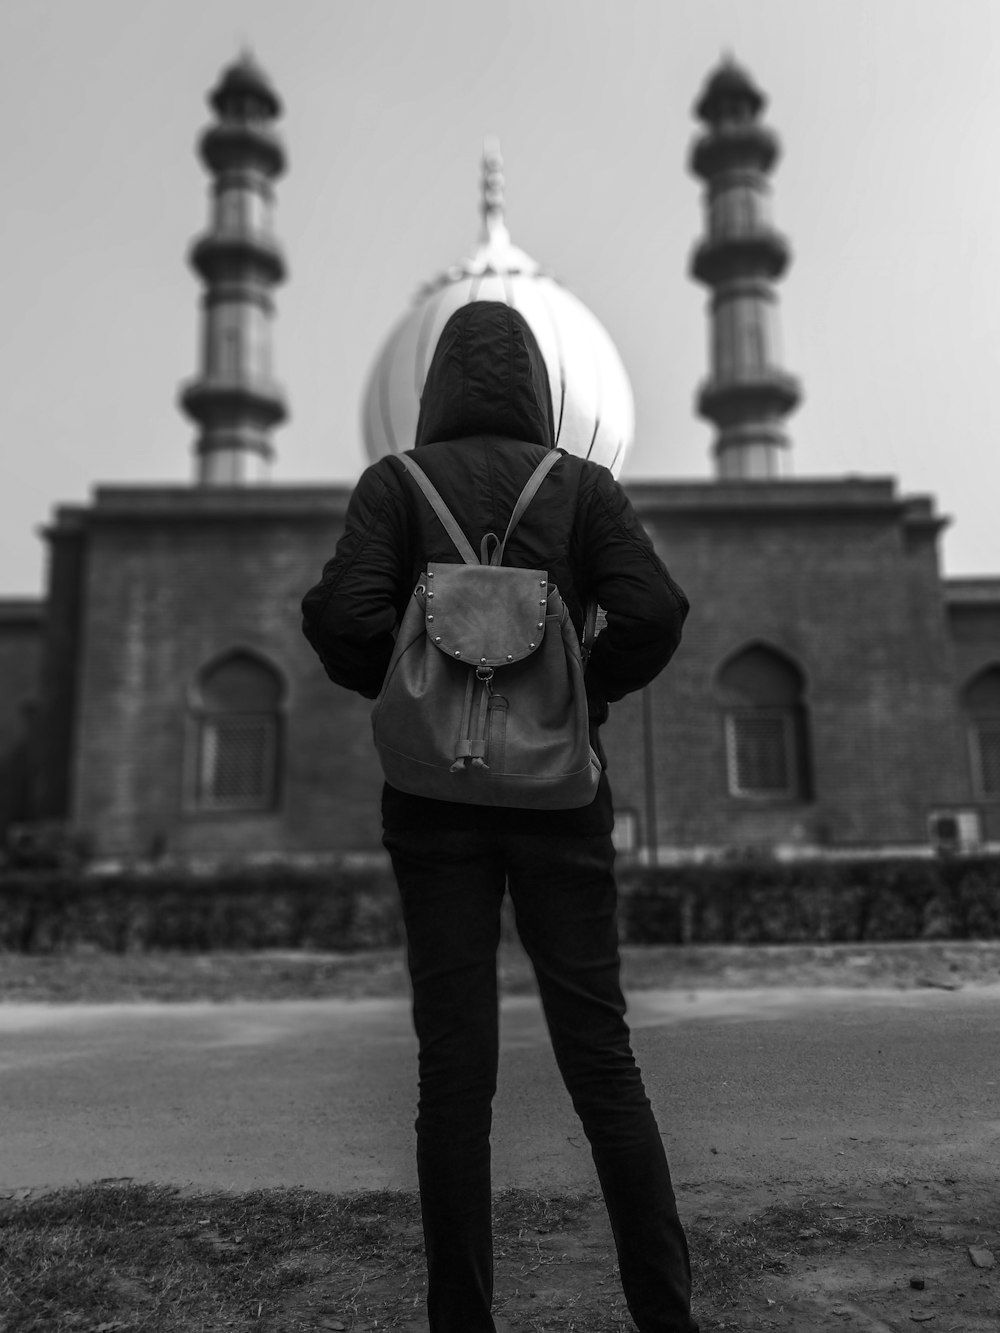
(486, 377)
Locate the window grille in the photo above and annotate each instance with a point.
(986, 747)
(237, 762)
(760, 745)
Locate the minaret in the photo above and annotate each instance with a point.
(234, 399)
(747, 394)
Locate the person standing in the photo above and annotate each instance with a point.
(485, 423)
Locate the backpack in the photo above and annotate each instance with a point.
(484, 700)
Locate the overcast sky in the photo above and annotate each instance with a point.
(889, 116)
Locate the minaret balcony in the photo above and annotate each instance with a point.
(760, 253)
(216, 254)
(733, 145)
(216, 400)
(237, 143)
(769, 395)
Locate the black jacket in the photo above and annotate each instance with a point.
(485, 423)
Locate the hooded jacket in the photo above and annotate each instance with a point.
(485, 423)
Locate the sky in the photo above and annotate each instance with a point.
(888, 112)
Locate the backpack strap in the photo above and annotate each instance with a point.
(463, 546)
(525, 499)
(447, 518)
(441, 509)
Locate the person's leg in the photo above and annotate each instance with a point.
(565, 899)
(451, 885)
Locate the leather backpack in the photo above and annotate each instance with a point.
(484, 699)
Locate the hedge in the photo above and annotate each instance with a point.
(782, 903)
(235, 909)
(345, 908)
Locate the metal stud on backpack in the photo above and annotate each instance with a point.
(484, 699)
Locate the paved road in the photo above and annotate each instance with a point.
(854, 1086)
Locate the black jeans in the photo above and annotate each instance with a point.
(452, 884)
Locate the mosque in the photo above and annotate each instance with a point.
(834, 693)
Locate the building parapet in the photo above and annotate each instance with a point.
(833, 495)
(21, 611)
(981, 591)
(141, 503)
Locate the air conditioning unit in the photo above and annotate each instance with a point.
(625, 835)
(954, 830)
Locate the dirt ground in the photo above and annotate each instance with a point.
(89, 976)
(878, 1261)
(138, 1259)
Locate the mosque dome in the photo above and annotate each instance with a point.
(592, 404)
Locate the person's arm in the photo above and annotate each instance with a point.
(350, 616)
(645, 608)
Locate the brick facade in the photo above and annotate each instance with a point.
(973, 610)
(21, 621)
(839, 578)
(174, 581)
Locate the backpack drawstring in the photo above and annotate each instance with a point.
(471, 749)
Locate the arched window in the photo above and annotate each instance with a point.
(766, 726)
(981, 705)
(237, 735)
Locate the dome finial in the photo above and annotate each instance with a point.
(492, 205)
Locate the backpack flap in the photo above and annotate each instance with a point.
(485, 615)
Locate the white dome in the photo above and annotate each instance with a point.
(592, 404)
